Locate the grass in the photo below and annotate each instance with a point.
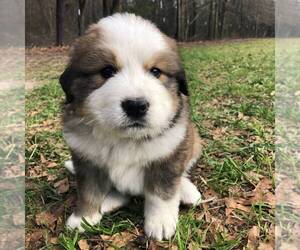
(232, 97)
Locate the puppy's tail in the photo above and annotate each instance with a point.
(70, 167)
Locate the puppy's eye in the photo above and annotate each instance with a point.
(155, 72)
(108, 71)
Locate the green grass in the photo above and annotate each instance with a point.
(232, 102)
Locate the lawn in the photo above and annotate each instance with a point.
(232, 97)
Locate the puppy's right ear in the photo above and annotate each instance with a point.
(66, 81)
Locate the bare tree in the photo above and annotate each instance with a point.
(82, 4)
(60, 9)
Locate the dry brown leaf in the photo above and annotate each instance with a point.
(21, 158)
(288, 246)
(286, 192)
(192, 246)
(119, 239)
(7, 185)
(253, 238)
(12, 172)
(262, 193)
(35, 236)
(36, 172)
(83, 245)
(19, 219)
(264, 184)
(233, 220)
(218, 133)
(232, 204)
(68, 202)
(46, 219)
(216, 227)
(51, 177)
(253, 175)
(265, 246)
(43, 159)
(62, 186)
(54, 240)
(152, 245)
(51, 165)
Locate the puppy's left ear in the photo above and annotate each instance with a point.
(66, 80)
(182, 82)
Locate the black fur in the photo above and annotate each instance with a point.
(66, 80)
(182, 83)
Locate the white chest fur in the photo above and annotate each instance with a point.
(125, 160)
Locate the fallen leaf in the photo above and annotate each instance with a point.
(253, 238)
(19, 219)
(45, 219)
(152, 245)
(42, 158)
(253, 175)
(216, 228)
(36, 172)
(51, 177)
(232, 204)
(240, 115)
(83, 245)
(35, 236)
(21, 158)
(12, 172)
(288, 246)
(7, 186)
(263, 193)
(54, 240)
(51, 165)
(265, 246)
(119, 239)
(62, 186)
(68, 202)
(218, 133)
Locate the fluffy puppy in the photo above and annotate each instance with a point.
(127, 125)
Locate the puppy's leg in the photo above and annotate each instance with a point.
(188, 192)
(113, 200)
(70, 166)
(162, 198)
(92, 185)
(161, 216)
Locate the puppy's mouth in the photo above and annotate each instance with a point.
(138, 124)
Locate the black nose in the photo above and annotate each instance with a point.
(135, 108)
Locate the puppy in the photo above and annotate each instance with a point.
(127, 125)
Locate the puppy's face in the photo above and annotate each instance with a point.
(126, 77)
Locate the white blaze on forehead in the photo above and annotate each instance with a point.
(131, 37)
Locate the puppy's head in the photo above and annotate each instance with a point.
(126, 76)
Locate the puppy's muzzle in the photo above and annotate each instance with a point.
(135, 108)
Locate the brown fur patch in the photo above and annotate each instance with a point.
(89, 54)
(163, 177)
(167, 61)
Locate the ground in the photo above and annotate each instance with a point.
(232, 97)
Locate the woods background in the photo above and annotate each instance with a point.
(58, 22)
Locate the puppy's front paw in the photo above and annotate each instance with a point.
(161, 226)
(75, 221)
(188, 192)
(161, 216)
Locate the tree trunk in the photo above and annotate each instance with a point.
(60, 9)
(116, 6)
(216, 26)
(81, 25)
(181, 19)
(209, 21)
(106, 8)
(242, 19)
(222, 17)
